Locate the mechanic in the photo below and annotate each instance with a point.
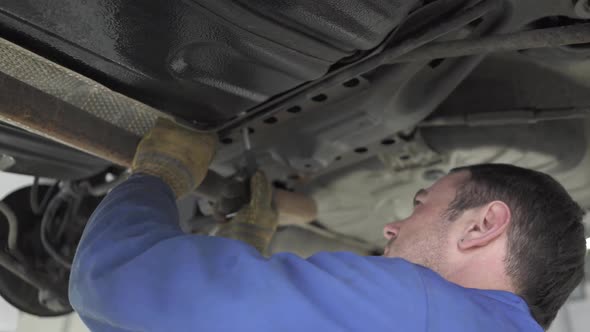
(487, 248)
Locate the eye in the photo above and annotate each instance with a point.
(417, 202)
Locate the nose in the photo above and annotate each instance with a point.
(391, 230)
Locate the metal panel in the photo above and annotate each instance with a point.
(201, 60)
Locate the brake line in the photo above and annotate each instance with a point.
(12, 221)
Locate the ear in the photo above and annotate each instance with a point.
(490, 223)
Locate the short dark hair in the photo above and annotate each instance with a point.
(546, 241)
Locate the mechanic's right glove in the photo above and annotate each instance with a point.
(176, 154)
(257, 222)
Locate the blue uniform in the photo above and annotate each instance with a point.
(136, 271)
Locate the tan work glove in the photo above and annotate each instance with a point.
(257, 222)
(176, 154)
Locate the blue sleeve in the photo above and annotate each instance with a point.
(136, 271)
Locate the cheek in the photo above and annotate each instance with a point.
(409, 236)
(419, 219)
(421, 226)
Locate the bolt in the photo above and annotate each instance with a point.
(6, 162)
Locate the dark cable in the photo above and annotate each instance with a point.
(49, 215)
(39, 209)
(34, 202)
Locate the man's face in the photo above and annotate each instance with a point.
(424, 237)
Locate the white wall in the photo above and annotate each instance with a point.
(575, 315)
(10, 182)
(8, 317)
(70, 323)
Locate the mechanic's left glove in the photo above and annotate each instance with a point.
(178, 155)
(257, 222)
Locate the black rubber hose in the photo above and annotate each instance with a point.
(49, 215)
(39, 209)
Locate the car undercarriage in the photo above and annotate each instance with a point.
(354, 104)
